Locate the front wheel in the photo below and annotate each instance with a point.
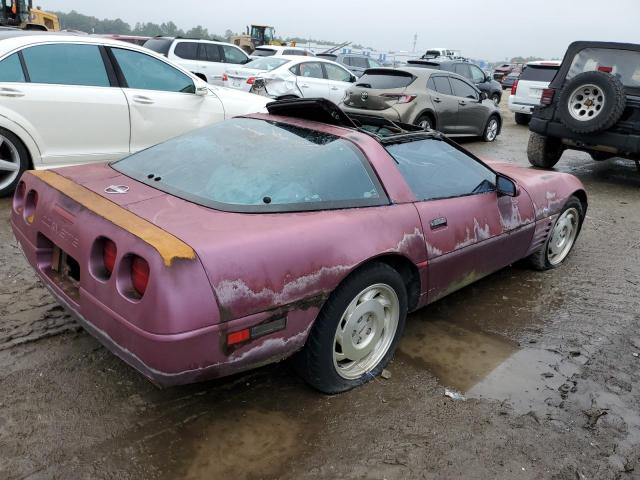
(543, 151)
(424, 121)
(14, 159)
(495, 98)
(491, 129)
(562, 237)
(356, 332)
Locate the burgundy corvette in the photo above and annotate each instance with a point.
(302, 231)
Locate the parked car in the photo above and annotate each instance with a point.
(527, 89)
(592, 104)
(503, 70)
(204, 58)
(356, 63)
(468, 70)
(292, 77)
(146, 240)
(63, 102)
(435, 99)
(276, 50)
(509, 80)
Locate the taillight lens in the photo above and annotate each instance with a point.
(109, 253)
(139, 274)
(225, 78)
(251, 80)
(514, 87)
(400, 98)
(547, 96)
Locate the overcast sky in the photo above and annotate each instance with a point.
(484, 29)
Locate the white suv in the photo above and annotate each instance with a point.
(204, 58)
(527, 89)
(68, 99)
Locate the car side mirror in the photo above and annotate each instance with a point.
(483, 96)
(353, 79)
(506, 186)
(202, 90)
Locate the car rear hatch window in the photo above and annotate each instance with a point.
(251, 165)
(263, 52)
(266, 64)
(624, 64)
(378, 89)
(539, 73)
(159, 45)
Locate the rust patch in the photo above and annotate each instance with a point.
(169, 247)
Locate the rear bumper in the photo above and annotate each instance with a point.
(622, 143)
(520, 107)
(389, 113)
(185, 357)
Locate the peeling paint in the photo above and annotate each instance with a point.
(479, 234)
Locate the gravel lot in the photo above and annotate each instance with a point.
(545, 360)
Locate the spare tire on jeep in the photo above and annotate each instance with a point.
(591, 102)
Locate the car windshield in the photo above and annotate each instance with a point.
(263, 52)
(539, 73)
(266, 64)
(285, 169)
(624, 64)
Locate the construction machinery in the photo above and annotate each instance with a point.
(255, 36)
(21, 14)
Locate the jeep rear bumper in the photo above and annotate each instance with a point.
(621, 142)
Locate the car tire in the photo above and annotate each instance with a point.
(562, 237)
(543, 151)
(491, 129)
(495, 98)
(522, 118)
(425, 122)
(605, 93)
(331, 365)
(14, 160)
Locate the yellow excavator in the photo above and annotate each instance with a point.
(255, 36)
(21, 14)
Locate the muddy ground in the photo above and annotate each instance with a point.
(545, 360)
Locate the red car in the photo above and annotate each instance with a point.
(302, 231)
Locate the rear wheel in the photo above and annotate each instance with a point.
(491, 129)
(424, 121)
(562, 237)
(14, 159)
(543, 151)
(495, 98)
(356, 332)
(522, 118)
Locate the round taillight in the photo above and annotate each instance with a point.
(30, 204)
(109, 253)
(139, 274)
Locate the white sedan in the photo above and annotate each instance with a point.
(68, 99)
(291, 77)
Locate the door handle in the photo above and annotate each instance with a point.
(437, 100)
(461, 102)
(438, 222)
(304, 86)
(10, 92)
(143, 100)
(335, 88)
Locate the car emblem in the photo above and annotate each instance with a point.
(364, 96)
(116, 189)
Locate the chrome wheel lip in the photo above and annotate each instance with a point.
(366, 331)
(586, 102)
(425, 124)
(492, 129)
(563, 236)
(9, 162)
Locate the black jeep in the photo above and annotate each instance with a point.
(592, 104)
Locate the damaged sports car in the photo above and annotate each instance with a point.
(303, 232)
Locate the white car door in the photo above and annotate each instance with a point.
(162, 99)
(67, 103)
(339, 80)
(311, 81)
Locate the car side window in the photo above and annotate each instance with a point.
(436, 169)
(186, 50)
(66, 64)
(476, 74)
(147, 73)
(359, 62)
(431, 84)
(337, 73)
(210, 52)
(11, 70)
(233, 55)
(347, 61)
(463, 89)
(462, 69)
(442, 85)
(294, 52)
(374, 63)
(310, 70)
